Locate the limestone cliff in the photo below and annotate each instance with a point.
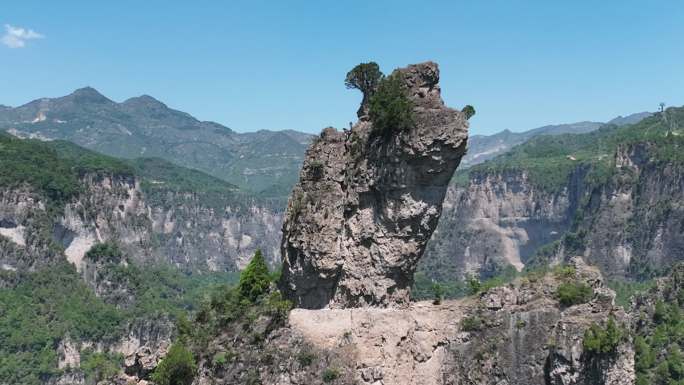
(176, 227)
(367, 203)
(618, 205)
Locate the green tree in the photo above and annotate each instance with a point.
(177, 368)
(107, 252)
(364, 77)
(255, 279)
(574, 293)
(468, 111)
(661, 313)
(599, 340)
(474, 285)
(390, 109)
(437, 293)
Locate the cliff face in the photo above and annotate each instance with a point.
(628, 223)
(367, 203)
(182, 228)
(497, 220)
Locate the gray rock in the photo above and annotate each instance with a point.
(368, 202)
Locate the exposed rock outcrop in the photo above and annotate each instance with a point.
(367, 203)
(179, 228)
(514, 334)
(630, 225)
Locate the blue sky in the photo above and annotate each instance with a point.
(280, 64)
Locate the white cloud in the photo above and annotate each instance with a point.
(16, 37)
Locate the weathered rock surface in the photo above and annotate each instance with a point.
(179, 228)
(630, 226)
(142, 347)
(516, 334)
(367, 203)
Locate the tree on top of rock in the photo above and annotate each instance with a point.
(390, 109)
(255, 279)
(364, 77)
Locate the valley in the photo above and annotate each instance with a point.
(128, 264)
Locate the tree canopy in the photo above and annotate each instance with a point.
(364, 77)
(255, 279)
(390, 109)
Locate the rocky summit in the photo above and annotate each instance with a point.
(368, 200)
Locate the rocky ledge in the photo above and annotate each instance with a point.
(520, 333)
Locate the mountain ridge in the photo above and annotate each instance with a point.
(144, 126)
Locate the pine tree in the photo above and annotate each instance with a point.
(177, 368)
(255, 279)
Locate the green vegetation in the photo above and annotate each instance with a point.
(33, 163)
(53, 302)
(437, 293)
(84, 161)
(425, 288)
(107, 252)
(364, 77)
(598, 340)
(177, 368)
(574, 293)
(549, 160)
(624, 290)
(45, 306)
(330, 375)
(255, 279)
(219, 360)
(316, 169)
(305, 358)
(161, 174)
(471, 324)
(98, 366)
(390, 109)
(468, 111)
(658, 355)
(248, 312)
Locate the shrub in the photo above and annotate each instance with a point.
(316, 169)
(278, 307)
(177, 368)
(99, 366)
(574, 293)
(564, 272)
(468, 111)
(474, 285)
(220, 359)
(255, 279)
(107, 252)
(437, 293)
(306, 358)
(599, 340)
(330, 375)
(471, 324)
(390, 109)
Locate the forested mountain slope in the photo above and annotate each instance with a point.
(613, 196)
(145, 127)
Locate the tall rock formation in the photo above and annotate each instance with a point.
(367, 203)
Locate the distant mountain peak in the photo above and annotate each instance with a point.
(144, 100)
(630, 119)
(89, 94)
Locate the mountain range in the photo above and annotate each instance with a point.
(262, 161)
(485, 147)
